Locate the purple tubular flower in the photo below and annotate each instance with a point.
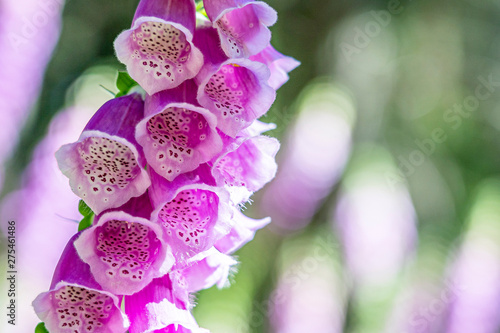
(177, 135)
(76, 303)
(279, 65)
(194, 215)
(242, 232)
(212, 268)
(235, 90)
(155, 309)
(104, 166)
(158, 49)
(246, 165)
(124, 252)
(242, 25)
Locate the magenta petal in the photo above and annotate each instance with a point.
(104, 166)
(214, 269)
(242, 25)
(246, 165)
(75, 302)
(158, 49)
(237, 92)
(194, 215)
(242, 232)
(153, 309)
(279, 65)
(125, 253)
(176, 135)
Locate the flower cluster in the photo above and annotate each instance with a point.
(165, 175)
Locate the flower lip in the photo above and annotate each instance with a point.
(245, 165)
(124, 252)
(104, 170)
(89, 307)
(159, 54)
(193, 215)
(242, 25)
(237, 92)
(75, 308)
(105, 165)
(279, 64)
(177, 135)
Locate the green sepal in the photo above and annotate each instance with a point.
(84, 209)
(86, 222)
(124, 83)
(40, 328)
(88, 216)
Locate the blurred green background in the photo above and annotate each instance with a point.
(415, 87)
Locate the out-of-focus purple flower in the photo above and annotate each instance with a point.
(316, 150)
(476, 306)
(156, 309)
(279, 65)
(177, 135)
(235, 90)
(245, 165)
(76, 302)
(105, 165)
(195, 215)
(125, 253)
(158, 49)
(241, 24)
(310, 294)
(374, 220)
(26, 48)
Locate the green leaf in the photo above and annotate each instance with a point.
(86, 222)
(40, 328)
(84, 209)
(201, 9)
(124, 83)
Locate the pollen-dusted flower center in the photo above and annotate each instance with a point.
(228, 90)
(161, 49)
(190, 215)
(128, 248)
(107, 164)
(81, 310)
(176, 132)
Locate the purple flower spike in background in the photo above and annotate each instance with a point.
(242, 25)
(124, 252)
(158, 49)
(105, 166)
(194, 215)
(76, 302)
(279, 65)
(177, 135)
(157, 309)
